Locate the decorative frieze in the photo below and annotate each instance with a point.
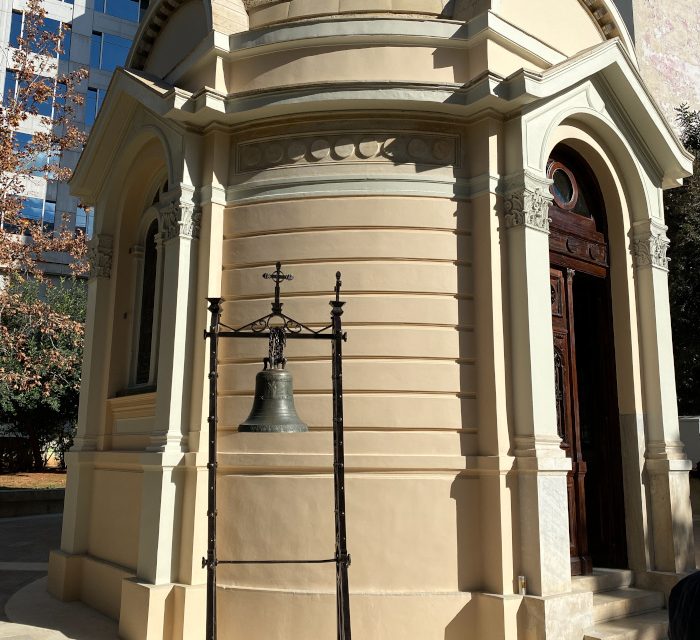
(100, 256)
(528, 207)
(650, 245)
(179, 219)
(397, 148)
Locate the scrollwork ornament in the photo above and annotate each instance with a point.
(651, 249)
(180, 219)
(100, 256)
(529, 208)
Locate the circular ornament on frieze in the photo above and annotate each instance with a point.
(251, 156)
(443, 151)
(394, 148)
(344, 148)
(320, 149)
(296, 150)
(274, 152)
(418, 149)
(367, 148)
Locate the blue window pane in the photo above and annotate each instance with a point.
(126, 9)
(49, 215)
(32, 208)
(65, 44)
(114, 51)
(42, 108)
(35, 161)
(96, 49)
(15, 28)
(22, 139)
(60, 97)
(50, 26)
(83, 221)
(90, 106)
(10, 85)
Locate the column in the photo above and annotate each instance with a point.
(666, 465)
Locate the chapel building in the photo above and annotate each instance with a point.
(488, 176)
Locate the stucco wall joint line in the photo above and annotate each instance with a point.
(356, 358)
(336, 228)
(232, 266)
(375, 292)
(362, 392)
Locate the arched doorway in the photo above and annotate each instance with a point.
(584, 358)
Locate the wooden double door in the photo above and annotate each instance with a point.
(586, 391)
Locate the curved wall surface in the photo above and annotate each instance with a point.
(374, 199)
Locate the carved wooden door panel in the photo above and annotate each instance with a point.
(566, 390)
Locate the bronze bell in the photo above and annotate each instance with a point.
(273, 406)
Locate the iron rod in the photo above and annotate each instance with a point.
(210, 561)
(266, 334)
(276, 561)
(341, 551)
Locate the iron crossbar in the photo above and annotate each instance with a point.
(263, 328)
(327, 561)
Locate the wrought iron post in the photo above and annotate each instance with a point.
(211, 561)
(341, 551)
(277, 326)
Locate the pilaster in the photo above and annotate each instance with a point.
(179, 223)
(541, 464)
(666, 465)
(64, 570)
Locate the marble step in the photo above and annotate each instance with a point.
(619, 603)
(646, 626)
(602, 580)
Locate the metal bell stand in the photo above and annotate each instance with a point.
(276, 322)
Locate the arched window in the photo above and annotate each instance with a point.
(145, 352)
(148, 270)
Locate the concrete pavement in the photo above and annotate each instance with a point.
(27, 611)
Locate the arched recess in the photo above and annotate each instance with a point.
(144, 163)
(633, 169)
(618, 185)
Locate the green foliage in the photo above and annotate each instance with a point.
(682, 212)
(40, 360)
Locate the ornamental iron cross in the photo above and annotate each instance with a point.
(277, 276)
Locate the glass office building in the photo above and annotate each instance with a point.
(99, 36)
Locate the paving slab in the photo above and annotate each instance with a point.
(36, 615)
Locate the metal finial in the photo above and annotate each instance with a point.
(277, 276)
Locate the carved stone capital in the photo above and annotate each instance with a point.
(100, 256)
(650, 244)
(528, 206)
(179, 219)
